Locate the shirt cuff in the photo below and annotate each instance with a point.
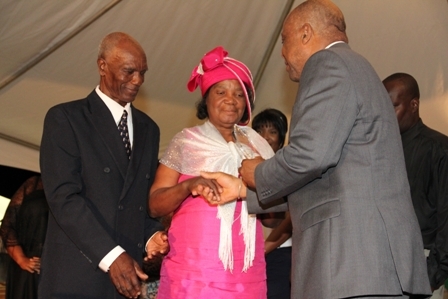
(110, 258)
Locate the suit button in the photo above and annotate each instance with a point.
(106, 169)
(140, 245)
(120, 207)
(140, 209)
(147, 176)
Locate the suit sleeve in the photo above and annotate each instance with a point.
(323, 116)
(254, 206)
(61, 167)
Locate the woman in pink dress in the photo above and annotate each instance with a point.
(215, 252)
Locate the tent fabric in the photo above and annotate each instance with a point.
(48, 53)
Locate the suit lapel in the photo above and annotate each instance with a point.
(104, 124)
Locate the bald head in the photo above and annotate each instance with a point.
(309, 28)
(325, 18)
(114, 40)
(122, 67)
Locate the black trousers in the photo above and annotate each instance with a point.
(278, 271)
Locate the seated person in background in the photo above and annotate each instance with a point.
(215, 252)
(272, 125)
(23, 233)
(426, 157)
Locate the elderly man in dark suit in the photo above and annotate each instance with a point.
(355, 233)
(98, 160)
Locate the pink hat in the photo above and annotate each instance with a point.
(215, 67)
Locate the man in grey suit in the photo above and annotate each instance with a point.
(355, 233)
(98, 160)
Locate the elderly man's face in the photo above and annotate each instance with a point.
(293, 51)
(123, 72)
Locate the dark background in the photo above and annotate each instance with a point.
(11, 178)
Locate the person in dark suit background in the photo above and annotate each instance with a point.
(96, 175)
(426, 157)
(355, 233)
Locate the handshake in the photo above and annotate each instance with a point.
(219, 188)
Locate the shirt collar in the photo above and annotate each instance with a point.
(334, 43)
(115, 108)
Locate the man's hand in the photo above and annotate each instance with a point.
(157, 245)
(230, 187)
(247, 170)
(126, 275)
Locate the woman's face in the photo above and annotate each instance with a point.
(270, 133)
(226, 103)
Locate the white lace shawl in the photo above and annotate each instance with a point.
(202, 148)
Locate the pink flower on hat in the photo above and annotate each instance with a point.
(211, 60)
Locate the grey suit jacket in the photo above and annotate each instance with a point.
(97, 197)
(354, 228)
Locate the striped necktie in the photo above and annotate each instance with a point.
(124, 133)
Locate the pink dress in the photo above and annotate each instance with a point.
(192, 268)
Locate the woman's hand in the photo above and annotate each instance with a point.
(167, 193)
(207, 188)
(30, 264)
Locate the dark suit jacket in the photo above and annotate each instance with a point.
(97, 197)
(354, 228)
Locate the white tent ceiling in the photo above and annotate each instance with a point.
(48, 55)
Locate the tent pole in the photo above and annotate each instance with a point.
(271, 45)
(31, 63)
(19, 141)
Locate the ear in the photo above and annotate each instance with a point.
(101, 66)
(306, 33)
(414, 105)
